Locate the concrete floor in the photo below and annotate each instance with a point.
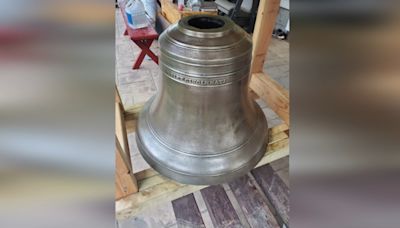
(136, 86)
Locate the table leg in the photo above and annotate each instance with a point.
(139, 60)
(145, 47)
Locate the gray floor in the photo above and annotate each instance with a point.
(136, 86)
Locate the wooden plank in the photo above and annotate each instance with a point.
(265, 23)
(121, 134)
(161, 216)
(279, 128)
(145, 174)
(130, 126)
(275, 151)
(187, 213)
(272, 93)
(117, 96)
(253, 95)
(121, 131)
(125, 182)
(236, 206)
(205, 215)
(150, 182)
(275, 189)
(162, 192)
(157, 191)
(221, 210)
(252, 204)
(284, 175)
(277, 137)
(132, 112)
(280, 164)
(170, 11)
(186, 13)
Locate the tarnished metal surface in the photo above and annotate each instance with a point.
(201, 127)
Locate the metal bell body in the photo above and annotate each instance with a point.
(201, 127)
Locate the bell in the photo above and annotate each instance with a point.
(201, 127)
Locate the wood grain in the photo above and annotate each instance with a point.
(265, 23)
(275, 189)
(187, 213)
(272, 93)
(132, 112)
(153, 195)
(170, 11)
(125, 182)
(117, 96)
(121, 134)
(220, 208)
(256, 210)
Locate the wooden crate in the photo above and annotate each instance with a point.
(170, 11)
(135, 192)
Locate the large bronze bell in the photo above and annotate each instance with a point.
(201, 127)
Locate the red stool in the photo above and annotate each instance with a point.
(143, 38)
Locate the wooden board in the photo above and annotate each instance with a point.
(170, 11)
(125, 182)
(121, 136)
(275, 189)
(265, 87)
(220, 208)
(121, 133)
(253, 206)
(167, 190)
(187, 213)
(132, 112)
(265, 23)
(272, 93)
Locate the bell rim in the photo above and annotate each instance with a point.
(209, 179)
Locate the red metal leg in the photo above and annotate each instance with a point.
(126, 32)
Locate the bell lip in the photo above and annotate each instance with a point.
(186, 178)
(200, 179)
(185, 27)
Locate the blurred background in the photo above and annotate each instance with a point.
(57, 113)
(345, 109)
(57, 70)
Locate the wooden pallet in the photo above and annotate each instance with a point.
(170, 11)
(135, 192)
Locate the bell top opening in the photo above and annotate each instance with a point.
(205, 26)
(206, 22)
